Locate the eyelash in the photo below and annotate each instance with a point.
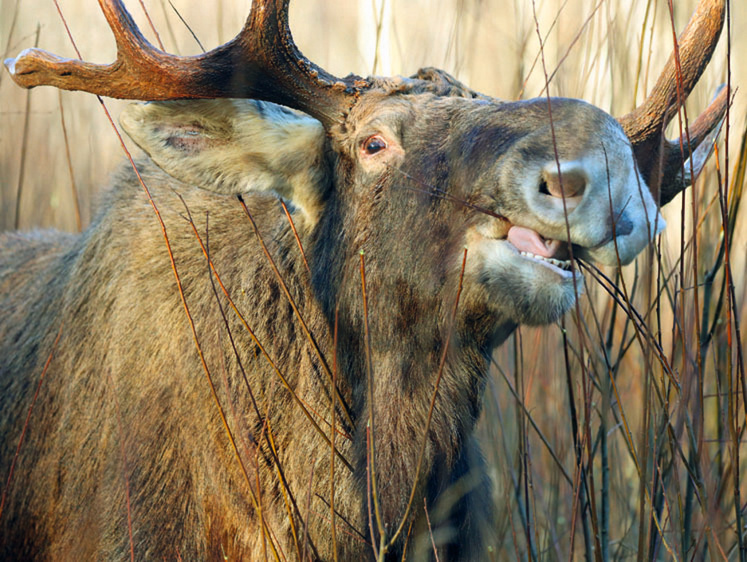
(373, 145)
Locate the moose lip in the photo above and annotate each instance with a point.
(558, 261)
(531, 245)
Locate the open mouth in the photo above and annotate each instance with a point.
(565, 265)
(531, 245)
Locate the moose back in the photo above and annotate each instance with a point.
(288, 357)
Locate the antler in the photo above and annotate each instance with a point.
(261, 62)
(661, 160)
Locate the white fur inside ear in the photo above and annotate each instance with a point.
(233, 146)
(189, 139)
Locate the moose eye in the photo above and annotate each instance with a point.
(374, 144)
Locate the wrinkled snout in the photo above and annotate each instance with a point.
(604, 204)
(577, 182)
(612, 215)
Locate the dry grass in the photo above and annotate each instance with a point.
(608, 438)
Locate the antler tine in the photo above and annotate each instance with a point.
(704, 129)
(293, 80)
(261, 62)
(659, 159)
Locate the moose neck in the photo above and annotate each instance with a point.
(417, 376)
(404, 341)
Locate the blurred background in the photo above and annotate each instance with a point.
(607, 438)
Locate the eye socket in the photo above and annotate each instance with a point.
(373, 145)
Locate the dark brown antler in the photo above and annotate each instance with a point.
(261, 62)
(659, 159)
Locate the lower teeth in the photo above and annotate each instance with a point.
(563, 264)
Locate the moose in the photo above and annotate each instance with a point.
(273, 339)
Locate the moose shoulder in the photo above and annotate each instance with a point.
(301, 345)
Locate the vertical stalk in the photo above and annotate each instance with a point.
(370, 433)
(73, 187)
(24, 146)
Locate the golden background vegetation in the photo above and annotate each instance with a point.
(607, 52)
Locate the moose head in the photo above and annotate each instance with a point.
(428, 221)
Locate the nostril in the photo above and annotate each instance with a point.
(570, 182)
(543, 187)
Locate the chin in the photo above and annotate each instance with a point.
(528, 290)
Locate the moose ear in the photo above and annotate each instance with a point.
(231, 146)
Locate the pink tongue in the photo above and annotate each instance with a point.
(527, 240)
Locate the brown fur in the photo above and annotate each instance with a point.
(125, 414)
